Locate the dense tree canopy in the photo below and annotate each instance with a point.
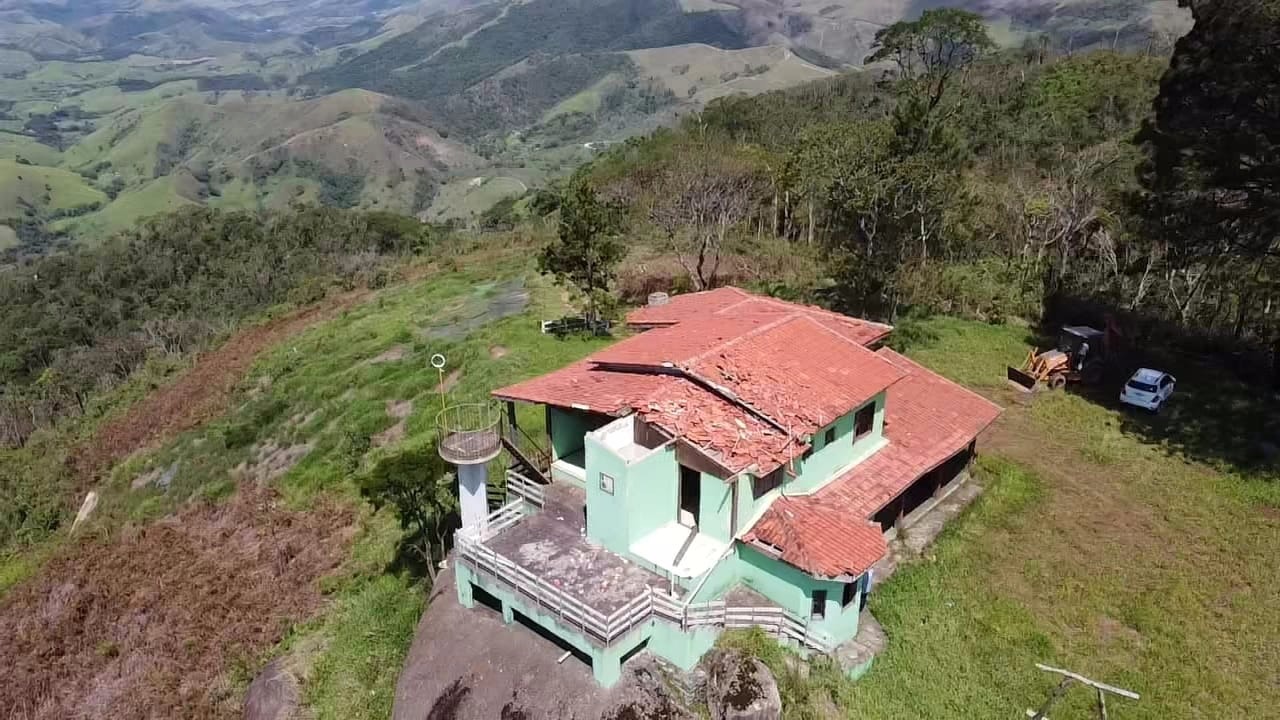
(1011, 194)
(1211, 181)
(586, 253)
(82, 320)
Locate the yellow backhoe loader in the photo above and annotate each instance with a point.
(1079, 357)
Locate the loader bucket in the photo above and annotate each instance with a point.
(1022, 380)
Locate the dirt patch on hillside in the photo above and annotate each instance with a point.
(400, 410)
(198, 395)
(270, 461)
(450, 381)
(394, 354)
(149, 624)
(498, 351)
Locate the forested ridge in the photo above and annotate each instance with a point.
(557, 47)
(81, 321)
(956, 178)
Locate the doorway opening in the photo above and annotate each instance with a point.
(690, 496)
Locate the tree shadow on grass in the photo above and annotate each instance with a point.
(409, 558)
(1213, 417)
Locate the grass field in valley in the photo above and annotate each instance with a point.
(23, 187)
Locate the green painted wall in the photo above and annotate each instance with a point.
(750, 508)
(715, 508)
(567, 430)
(781, 583)
(793, 590)
(827, 459)
(652, 492)
(643, 499)
(682, 648)
(746, 504)
(607, 515)
(722, 577)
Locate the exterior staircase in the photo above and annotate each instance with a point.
(528, 457)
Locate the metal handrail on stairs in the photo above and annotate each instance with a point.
(527, 451)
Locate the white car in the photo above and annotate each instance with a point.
(1148, 389)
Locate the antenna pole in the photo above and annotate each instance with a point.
(438, 362)
(441, 388)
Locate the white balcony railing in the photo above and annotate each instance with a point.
(648, 604)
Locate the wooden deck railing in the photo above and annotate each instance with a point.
(648, 604)
(520, 486)
(775, 621)
(567, 609)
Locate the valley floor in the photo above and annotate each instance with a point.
(1139, 551)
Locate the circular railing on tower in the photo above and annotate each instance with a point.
(469, 434)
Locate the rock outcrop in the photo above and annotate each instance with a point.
(741, 688)
(273, 695)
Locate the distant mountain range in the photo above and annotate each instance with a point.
(124, 108)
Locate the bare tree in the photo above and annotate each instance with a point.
(697, 200)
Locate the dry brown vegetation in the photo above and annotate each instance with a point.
(200, 394)
(147, 625)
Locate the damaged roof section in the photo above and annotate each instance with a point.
(726, 432)
(746, 379)
(828, 533)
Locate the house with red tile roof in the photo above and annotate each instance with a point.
(739, 457)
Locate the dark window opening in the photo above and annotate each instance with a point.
(850, 594)
(639, 648)
(819, 610)
(690, 496)
(763, 485)
(888, 515)
(829, 437)
(864, 422)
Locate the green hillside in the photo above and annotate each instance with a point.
(14, 146)
(357, 148)
(702, 73)
(27, 190)
(163, 195)
(514, 67)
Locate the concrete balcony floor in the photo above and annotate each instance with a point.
(552, 544)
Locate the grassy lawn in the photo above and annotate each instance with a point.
(42, 188)
(329, 390)
(1140, 551)
(465, 198)
(1107, 543)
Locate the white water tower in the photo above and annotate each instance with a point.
(469, 436)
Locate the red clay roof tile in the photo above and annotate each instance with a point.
(732, 373)
(820, 540)
(730, 302)
(681, 307)
(928, 419)
(726, 432)
(797, 372)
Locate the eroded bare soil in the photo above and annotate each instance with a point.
(152, 623)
